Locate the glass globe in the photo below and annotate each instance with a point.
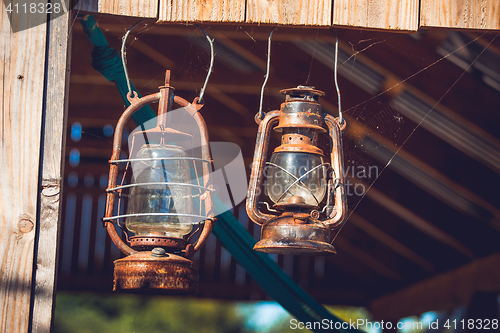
(152, 195)
(285, 168)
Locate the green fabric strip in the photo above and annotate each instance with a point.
(228, 230)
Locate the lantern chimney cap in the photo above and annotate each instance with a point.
(302, 93)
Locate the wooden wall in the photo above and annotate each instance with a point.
(397, 15)
(33, 56)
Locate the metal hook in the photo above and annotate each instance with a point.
(212, 56)
(124, 40)
(260, 114)
(341, 119)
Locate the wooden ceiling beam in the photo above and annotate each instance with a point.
(418, 222)
(443, 292)
(428, 178)
(390, 242)
(366, 259)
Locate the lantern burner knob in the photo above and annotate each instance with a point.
(159, 252)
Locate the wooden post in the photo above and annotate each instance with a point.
(22, 62)
(23, 77)
(51, 180)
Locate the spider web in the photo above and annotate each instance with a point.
(384, 117)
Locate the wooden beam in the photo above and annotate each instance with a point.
(184, 85)
(201, 11)
(22, 63)
(290, 12)
(443, 292)
(50, 184)
(142, 8)
(417, 221)
(465, 14)
(393, 15)
(377, 14)
(390, 242)
(427, 178)
(345, 246)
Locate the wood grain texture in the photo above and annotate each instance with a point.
(480, 14)
(138, 8)
(142, 8)
(52, 157)
(290, 12)
(377, 14)
(202, 10)
(22, 61)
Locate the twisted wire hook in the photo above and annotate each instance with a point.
(212, 56)
(341, 119)
(124, 62)
(261, 114)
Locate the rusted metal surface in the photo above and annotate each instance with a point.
(113, 169)
(299, 229)
(337, 214)
(261, 147)
(300, 121)
(295, 233)
(146, 243)
(141, 269)
(168, 273)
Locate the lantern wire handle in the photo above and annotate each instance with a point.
(124, 62)
(341, 119)
(261, 114)
(212, 56)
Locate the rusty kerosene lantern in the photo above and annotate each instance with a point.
(163, 201)
(298, 178)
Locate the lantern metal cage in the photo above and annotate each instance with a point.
(296, 224)
(160, 199)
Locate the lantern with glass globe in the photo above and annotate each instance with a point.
(300, 177)
(169, 193)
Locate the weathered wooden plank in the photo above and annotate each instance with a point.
(290, 12)
(22, 61)
(52, 157)
(201, 10)
(142, 8)
(484, 14)
(377, 14)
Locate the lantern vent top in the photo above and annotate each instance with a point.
(302, 93)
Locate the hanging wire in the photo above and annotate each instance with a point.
(341, 119)
(261, 114)
(124, 62)
(212, 56)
